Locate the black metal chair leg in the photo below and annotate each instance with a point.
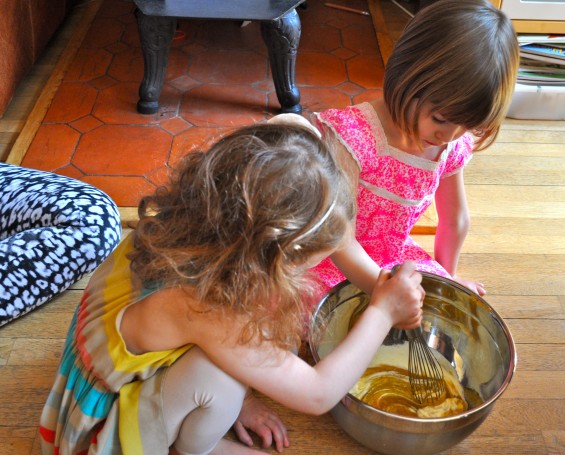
(282, 37)
(156, 34)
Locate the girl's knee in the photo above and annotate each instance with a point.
(200, 402)
(211, 382)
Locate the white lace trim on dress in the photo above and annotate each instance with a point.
(390, 196)
(339, 138)
(404, 157)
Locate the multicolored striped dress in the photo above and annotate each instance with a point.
(395, 188)
(106, 400)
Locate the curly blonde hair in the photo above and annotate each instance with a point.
(461, 57)
(237, 224)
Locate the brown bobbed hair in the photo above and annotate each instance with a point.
(237, 224)
(462, 57)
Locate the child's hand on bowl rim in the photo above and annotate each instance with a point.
(475, 286)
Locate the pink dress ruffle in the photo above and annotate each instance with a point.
(395, 189)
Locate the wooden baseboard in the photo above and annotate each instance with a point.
(128, 216)
(33, 122)
(426, 225)
(384, 40)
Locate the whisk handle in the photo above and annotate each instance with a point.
(412, 334)
(394, 269)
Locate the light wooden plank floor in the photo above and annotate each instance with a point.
(516, 193)
(516, 246)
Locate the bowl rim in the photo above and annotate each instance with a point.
(513, 358)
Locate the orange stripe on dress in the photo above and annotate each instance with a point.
(80, 338)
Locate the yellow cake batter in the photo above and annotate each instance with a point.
(385, 385)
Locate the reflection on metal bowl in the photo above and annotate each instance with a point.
(461, 326)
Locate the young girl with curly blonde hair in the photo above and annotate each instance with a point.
(205, 301)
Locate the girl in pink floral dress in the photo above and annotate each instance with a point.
(447, 86)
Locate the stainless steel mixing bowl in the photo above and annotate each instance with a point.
(460, 325)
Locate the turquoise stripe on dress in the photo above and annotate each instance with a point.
(92, 402)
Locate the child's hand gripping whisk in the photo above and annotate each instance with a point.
(425, 373)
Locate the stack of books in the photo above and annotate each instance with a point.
(542, 60)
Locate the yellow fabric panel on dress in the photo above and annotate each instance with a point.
(117, 289)
(130, 438)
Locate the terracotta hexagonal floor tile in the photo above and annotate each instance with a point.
(117, 48)
(366, 70)
(223, 35)
(88, 64)
(343, 53)
(322, 12)
(266, 85)
(52, 147)
(343, 19)
(124, 191)
(145, 149)
(320, 38)
(228, 67)
(86, 124)
(351, 89)
(117, 105)
(368, 95)
(103, 32)
(131, 34)
(223, 105)
(175, 125)
(119, 10)
(102, 82)
(316, 99)
(218, 78)
(127, 66)
(160, 176)
(355, 38)
(319, 69)
(194, 139)
(183, 83)
(178, 64)
(61, 110)
(70, 171)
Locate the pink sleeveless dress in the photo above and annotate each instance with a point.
(395, 189)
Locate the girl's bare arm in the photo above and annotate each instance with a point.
(453, 226)
(162, 321)
(453, 221)
(356, 265)
(289, 380)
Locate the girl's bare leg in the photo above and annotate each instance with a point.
(200, 403)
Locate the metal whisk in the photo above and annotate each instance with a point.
(425, 372)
